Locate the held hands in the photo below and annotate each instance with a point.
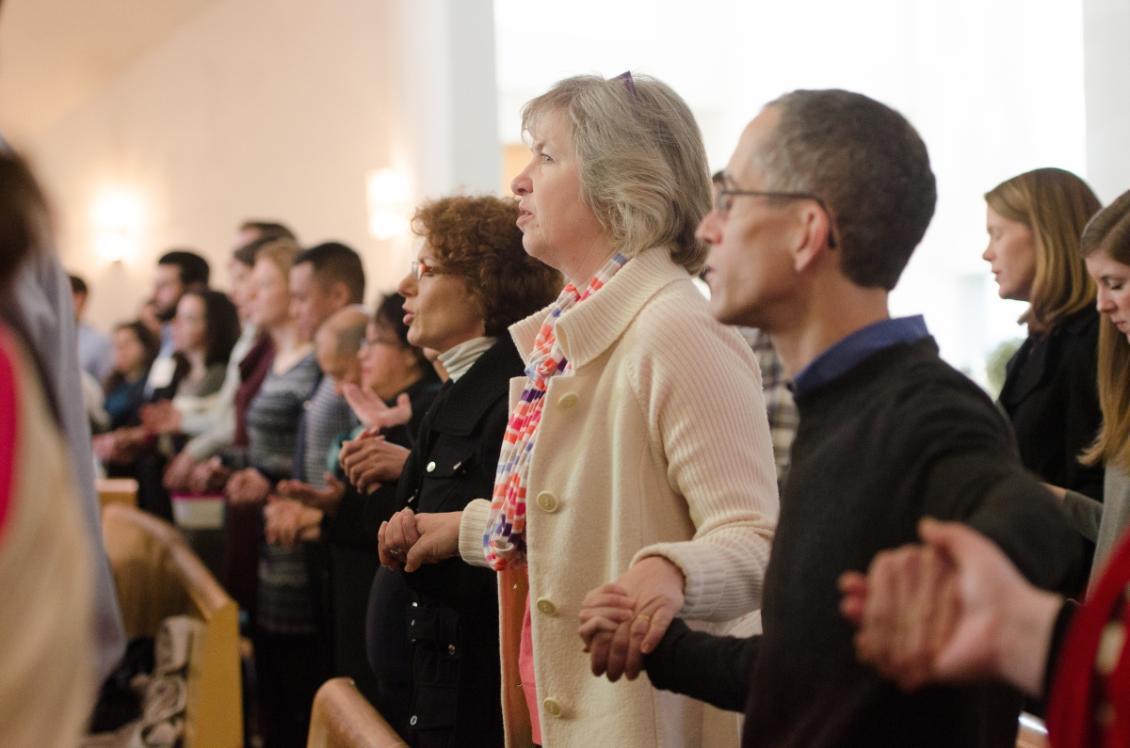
(289, 522)
(626, 619)
(325, 499)
(247, 486)
(408, 540)
(369, 461)
(179, 472)
(208, 476)
(953, 610)
(161, 418)
(372, 411)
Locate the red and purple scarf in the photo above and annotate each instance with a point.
(504, 542)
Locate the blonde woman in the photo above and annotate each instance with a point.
(1034, 221)
(637, 448)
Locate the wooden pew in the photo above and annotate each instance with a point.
(116, 491)
(157, 575)
(342, 718)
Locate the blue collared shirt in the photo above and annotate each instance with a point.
(852, 350)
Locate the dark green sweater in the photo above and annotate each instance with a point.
(899, 437)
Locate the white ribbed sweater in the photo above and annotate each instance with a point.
(656, 444)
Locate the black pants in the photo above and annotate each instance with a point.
(289, 671)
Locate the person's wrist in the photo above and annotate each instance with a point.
(1023, 638)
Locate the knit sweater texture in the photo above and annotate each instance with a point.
(899, 437)
(657, 443)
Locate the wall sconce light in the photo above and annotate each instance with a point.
(387, 191)
(117, 217)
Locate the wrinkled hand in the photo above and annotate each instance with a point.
(616, 641)
(906, 607)
(209, 476)
(372, 411)
(247, 486)
(999, 624)
(161, 417)
(179, 472)
(326, 499)
(369, 461)
(409, 540)
(288, 522)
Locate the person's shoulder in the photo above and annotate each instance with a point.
(928, 389)
(679, 313)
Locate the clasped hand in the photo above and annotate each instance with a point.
(623, 620)
(408, 540)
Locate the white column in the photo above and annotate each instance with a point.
(444, 112)
(1106, 29)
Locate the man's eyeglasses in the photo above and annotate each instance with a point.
(724, 200)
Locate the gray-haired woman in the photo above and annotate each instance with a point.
(638, 449)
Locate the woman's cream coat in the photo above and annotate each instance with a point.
(657, 443)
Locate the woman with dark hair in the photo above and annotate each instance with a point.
(134, 348)
(470, 281)
(205, 329)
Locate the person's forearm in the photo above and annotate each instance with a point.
(1025, 637)
(714, 669)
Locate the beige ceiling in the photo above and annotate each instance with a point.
(56, 53)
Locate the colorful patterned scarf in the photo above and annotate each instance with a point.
(504, 542)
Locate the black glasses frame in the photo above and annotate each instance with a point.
(724, 191)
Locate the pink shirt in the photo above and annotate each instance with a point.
(526, 669)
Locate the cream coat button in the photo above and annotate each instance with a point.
(552, 707)
(547, 501)
(567, 401)
(431, 466)
(545, 605)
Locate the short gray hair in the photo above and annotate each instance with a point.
(868, 164)
(643, 166)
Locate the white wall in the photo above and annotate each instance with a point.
(995, 88)
(271, 109)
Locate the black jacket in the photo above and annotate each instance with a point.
(1051, 396)
(899, 437)
(351, 537)
(452, 615)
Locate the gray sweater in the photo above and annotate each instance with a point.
(1102, 522)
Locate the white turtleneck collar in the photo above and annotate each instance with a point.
(458, 359)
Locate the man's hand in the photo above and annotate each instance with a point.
(906, 607)
(984, 620)
(248, 486)
(655, 587)
(326, 499)
(372, 411)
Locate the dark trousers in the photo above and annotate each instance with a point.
(289, 670)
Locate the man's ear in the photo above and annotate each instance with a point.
(341, 294)
(813, 235)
